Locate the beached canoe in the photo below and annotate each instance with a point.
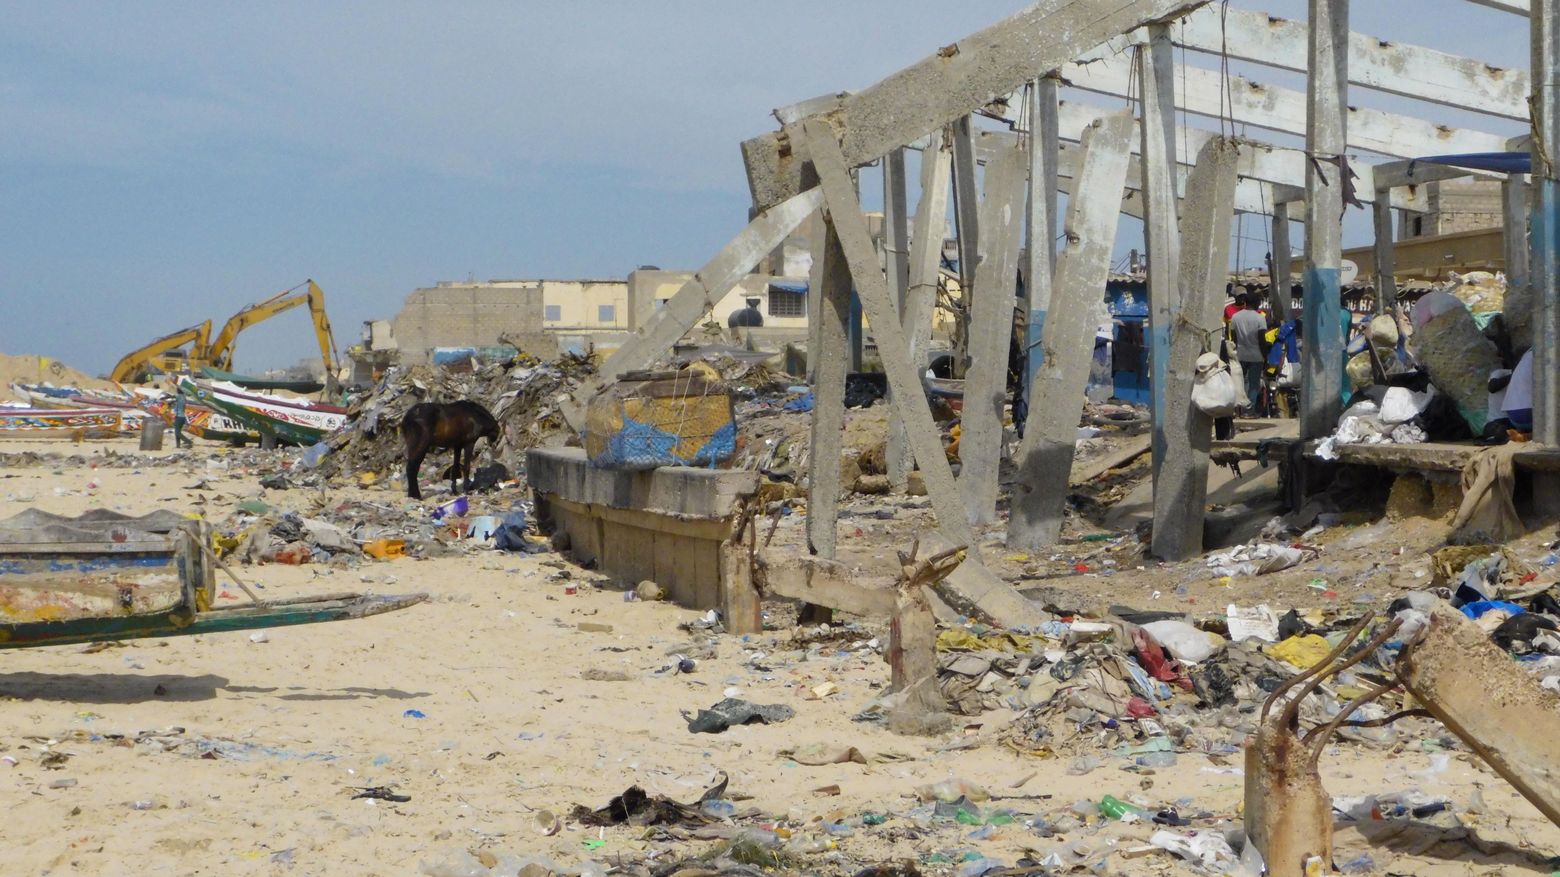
(203, 422)
(75, 422)
(249, 382)
(286, 421)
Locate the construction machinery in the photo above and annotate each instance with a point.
(163, 354)
(219, 354)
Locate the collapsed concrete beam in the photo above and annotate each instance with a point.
(958, 79)
(696, 297)
(1492, 704)
(822, 582)
(1050, 436)
(1181, 481)
(904, 376)
(1203, 91)
(831, 285)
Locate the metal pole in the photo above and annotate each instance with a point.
(1321, 393)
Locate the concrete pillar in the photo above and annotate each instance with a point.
(1045, 459)
(1386, 283)
(1321, 393)
(1518, 313)
(1156, 68)
(903, 376)
(915, 317)
(1040, 259)
(1181, 487)
(1278, 271)
(1544, 227)
(830, 284)
(966, 209)
(991, 333)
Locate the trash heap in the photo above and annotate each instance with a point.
(523, 394)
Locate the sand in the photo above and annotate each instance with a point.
(31, 369)
(494, 664)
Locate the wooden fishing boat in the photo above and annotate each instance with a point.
(107, 576)
(249, 382)
(72, 422)
(284, 421)
(202, 422)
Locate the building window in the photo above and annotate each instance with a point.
(787, 304)
(552, 313)
(606, 313)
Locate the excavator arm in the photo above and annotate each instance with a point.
(137, 363)
(220, 353)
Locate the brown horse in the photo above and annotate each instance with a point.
(456, 426)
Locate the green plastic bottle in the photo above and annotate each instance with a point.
(1114, 808)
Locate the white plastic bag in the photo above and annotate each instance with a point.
(1183, 641)
(1288, 376)
(1213, 390)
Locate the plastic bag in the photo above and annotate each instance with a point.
(1213, 389)
(1184, 641)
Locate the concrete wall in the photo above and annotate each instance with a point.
(584, 305)
(1434, 258)
(648, 287)
(1456, 206)
(469, 314)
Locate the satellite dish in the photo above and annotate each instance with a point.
(1347, 271)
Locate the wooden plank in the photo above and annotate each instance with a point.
(991, 334)
(872, 287)
(954, 81)
(1181, 483)
(1045, 457)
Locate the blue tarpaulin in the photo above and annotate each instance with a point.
(1497, 162)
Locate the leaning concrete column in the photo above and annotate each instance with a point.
(903, 376)
(1544, 228)
(1321, 393)
(966, 212)
(1490, 702)
(1040, 264)
(1181, 485)
(931, 218)
(1518, 310)
(831, 284)
(896, 261)
(991, 334)
(1386, 283)
(1160, 226)
(1282, 290)
(1045, 458)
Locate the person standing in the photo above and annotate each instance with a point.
(1247, 327)
(179, 422)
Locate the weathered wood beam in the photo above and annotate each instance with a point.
(684, 309)
(956, 80)
(1161, 227)
(990, 335)
(1045, 458)
(1198, 90)
(1181, 479)
(1395, 68)
(931, 217)
(904, 378)
(1328, 130)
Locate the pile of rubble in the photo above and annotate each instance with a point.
(523, 394)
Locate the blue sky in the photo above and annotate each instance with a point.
(163, 163)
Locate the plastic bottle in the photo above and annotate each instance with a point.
(1114, 808)
(1156, 759)
(719, 808)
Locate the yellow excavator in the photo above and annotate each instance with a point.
(163, 354)
(219, 353)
